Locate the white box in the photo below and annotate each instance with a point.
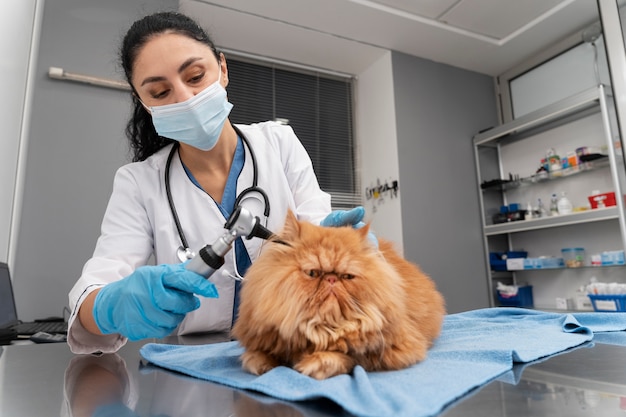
(563, 303)
(515, 264)
(582, 302)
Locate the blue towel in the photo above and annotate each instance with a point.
(474, 348)
(611, 338)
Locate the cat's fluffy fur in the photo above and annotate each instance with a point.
(329, 300)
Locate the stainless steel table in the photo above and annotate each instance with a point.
(48, 380)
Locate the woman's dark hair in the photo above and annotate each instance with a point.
(144, 140)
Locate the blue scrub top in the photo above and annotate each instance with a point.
(242, 258)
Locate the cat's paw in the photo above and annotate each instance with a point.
(258, 363)
(322, 365)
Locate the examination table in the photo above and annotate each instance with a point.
(47, 379)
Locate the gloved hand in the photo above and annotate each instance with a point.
(150, 302)
(354, 217)
(340, 218)
(114, 410)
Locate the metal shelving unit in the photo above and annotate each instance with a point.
(590, 102)
(608, 213)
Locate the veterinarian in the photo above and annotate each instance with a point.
(190, 168)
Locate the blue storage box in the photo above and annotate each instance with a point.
(523, 298)
(609, 303)
(497, 260)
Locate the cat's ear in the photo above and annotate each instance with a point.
(291, 230)
(363, 231)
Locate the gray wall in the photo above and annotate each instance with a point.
(438, 109)
(76, 144)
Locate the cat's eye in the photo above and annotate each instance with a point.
(314, 273)
(346, 276)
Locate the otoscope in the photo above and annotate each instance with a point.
(240, 223)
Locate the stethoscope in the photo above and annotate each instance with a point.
(183, 252)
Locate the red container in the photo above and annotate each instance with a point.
(607, 198)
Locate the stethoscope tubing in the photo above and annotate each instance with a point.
(253, 189)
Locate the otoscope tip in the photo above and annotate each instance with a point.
(276, 239)
(260, 231)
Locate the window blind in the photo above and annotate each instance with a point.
(317, 106)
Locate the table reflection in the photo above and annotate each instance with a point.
(103, 386)
(98, 385)
(588, 380)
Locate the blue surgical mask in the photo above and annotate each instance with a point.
(197, 121)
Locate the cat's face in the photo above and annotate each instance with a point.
(330, 277)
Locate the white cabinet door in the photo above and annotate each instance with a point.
(17, 34)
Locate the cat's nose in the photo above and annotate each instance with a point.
(331, 278)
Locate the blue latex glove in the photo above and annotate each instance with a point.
(114, 410)
(340, 218)
(150, 302)
(354, 217)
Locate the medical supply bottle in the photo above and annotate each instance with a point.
(554, 206)
(528, 215)
(564, 206)
(541, 210)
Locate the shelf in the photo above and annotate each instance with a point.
(501, 274)
(586, 100)
(546, 177)
(609, 213)
(559, 310)
(502, 150)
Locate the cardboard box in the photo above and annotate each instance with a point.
(543, 263)
(583, 302)
(605, 199)
(615, 257)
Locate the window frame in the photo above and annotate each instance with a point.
(502, 81)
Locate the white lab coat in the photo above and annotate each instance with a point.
(138, 224)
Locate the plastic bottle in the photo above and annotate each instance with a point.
(564, 206)
(554, 206)
(541, 210)
(554, 161)
(529, 212)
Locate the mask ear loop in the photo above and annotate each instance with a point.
(136, 97)
(144, 106)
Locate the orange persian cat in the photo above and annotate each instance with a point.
(328, 300)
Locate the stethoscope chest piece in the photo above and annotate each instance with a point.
(184, 254)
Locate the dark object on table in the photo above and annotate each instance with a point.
(43, 337)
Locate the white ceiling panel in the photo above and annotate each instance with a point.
(431, 9)
(256, 35)
(348, 35)
(498, 18)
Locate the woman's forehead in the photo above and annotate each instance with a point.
(168, 51)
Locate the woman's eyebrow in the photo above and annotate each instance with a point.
(187, 63)
(182, 67)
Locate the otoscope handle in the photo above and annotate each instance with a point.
(211, 257)
(206, 262)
